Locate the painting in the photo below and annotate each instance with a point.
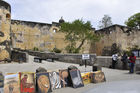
(43, 83)
(76, 78)
(64, 77)
(97, 77)
(11, 83)
(86, 77)
(27, 82)
(55, 80)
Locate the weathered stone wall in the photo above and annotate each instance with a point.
(123, 36)
(29, 35)
(5, 26)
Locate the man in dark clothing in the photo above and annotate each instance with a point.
(125, 61)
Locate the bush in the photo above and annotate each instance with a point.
(56, 50)
(35, 49)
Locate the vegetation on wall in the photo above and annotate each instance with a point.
(56, 50)
(77, 31)
(35, 49)
(134, 21)
(130, 49)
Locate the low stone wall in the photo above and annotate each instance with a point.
(76, 58)
(106, 61)
(67, 58)
(18, 56)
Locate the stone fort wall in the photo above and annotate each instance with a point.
(5, 26)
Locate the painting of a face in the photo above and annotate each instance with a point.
(43, 83)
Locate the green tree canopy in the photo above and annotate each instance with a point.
(77, 31)
(134, 21)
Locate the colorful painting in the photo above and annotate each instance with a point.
(55, 80)
(76, 78)
(64, 77)
(43, 83)
(11, 83)
(97, 77)
(86, 77)
(27, 82)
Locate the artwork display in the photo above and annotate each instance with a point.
(11, 83)
(86, 77)
(64, 77)
(27, 82)
(97, 77)
(43, 83)
(55, 80)
(76, 78)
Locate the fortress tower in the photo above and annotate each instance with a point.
(5, 26)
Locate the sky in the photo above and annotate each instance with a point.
(48, 11)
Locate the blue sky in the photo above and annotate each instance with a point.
(47, 11)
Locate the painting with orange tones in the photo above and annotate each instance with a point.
(27, 82)
(64, 77)
(43, 83)
(11, 83)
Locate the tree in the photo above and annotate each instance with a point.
(134, 21)
(105, 22)
(77, 31)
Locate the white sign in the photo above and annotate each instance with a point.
(85, 56)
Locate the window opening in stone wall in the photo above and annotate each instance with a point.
(54, 30)
(8, 16)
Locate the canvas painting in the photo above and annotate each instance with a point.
(97, 77)
(64, 77)
(27, 82)
(86, 77)
(43, 83)
(76, 78)
(11, 83)
(55, 80)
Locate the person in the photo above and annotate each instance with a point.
(132, 59)
(114, 60)
(25, 87)
(124, 60)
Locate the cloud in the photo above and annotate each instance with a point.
(92, 10)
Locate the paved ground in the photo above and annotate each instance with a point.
(110, 74)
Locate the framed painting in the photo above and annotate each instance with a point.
(43, 83)
(55, 80)
(76, 78)
(64, 77)
(27, 82)
(11, 83)
(97, 77)
(86, 77)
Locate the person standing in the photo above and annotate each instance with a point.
(132, 59)
(114, 60)
(124, 61)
